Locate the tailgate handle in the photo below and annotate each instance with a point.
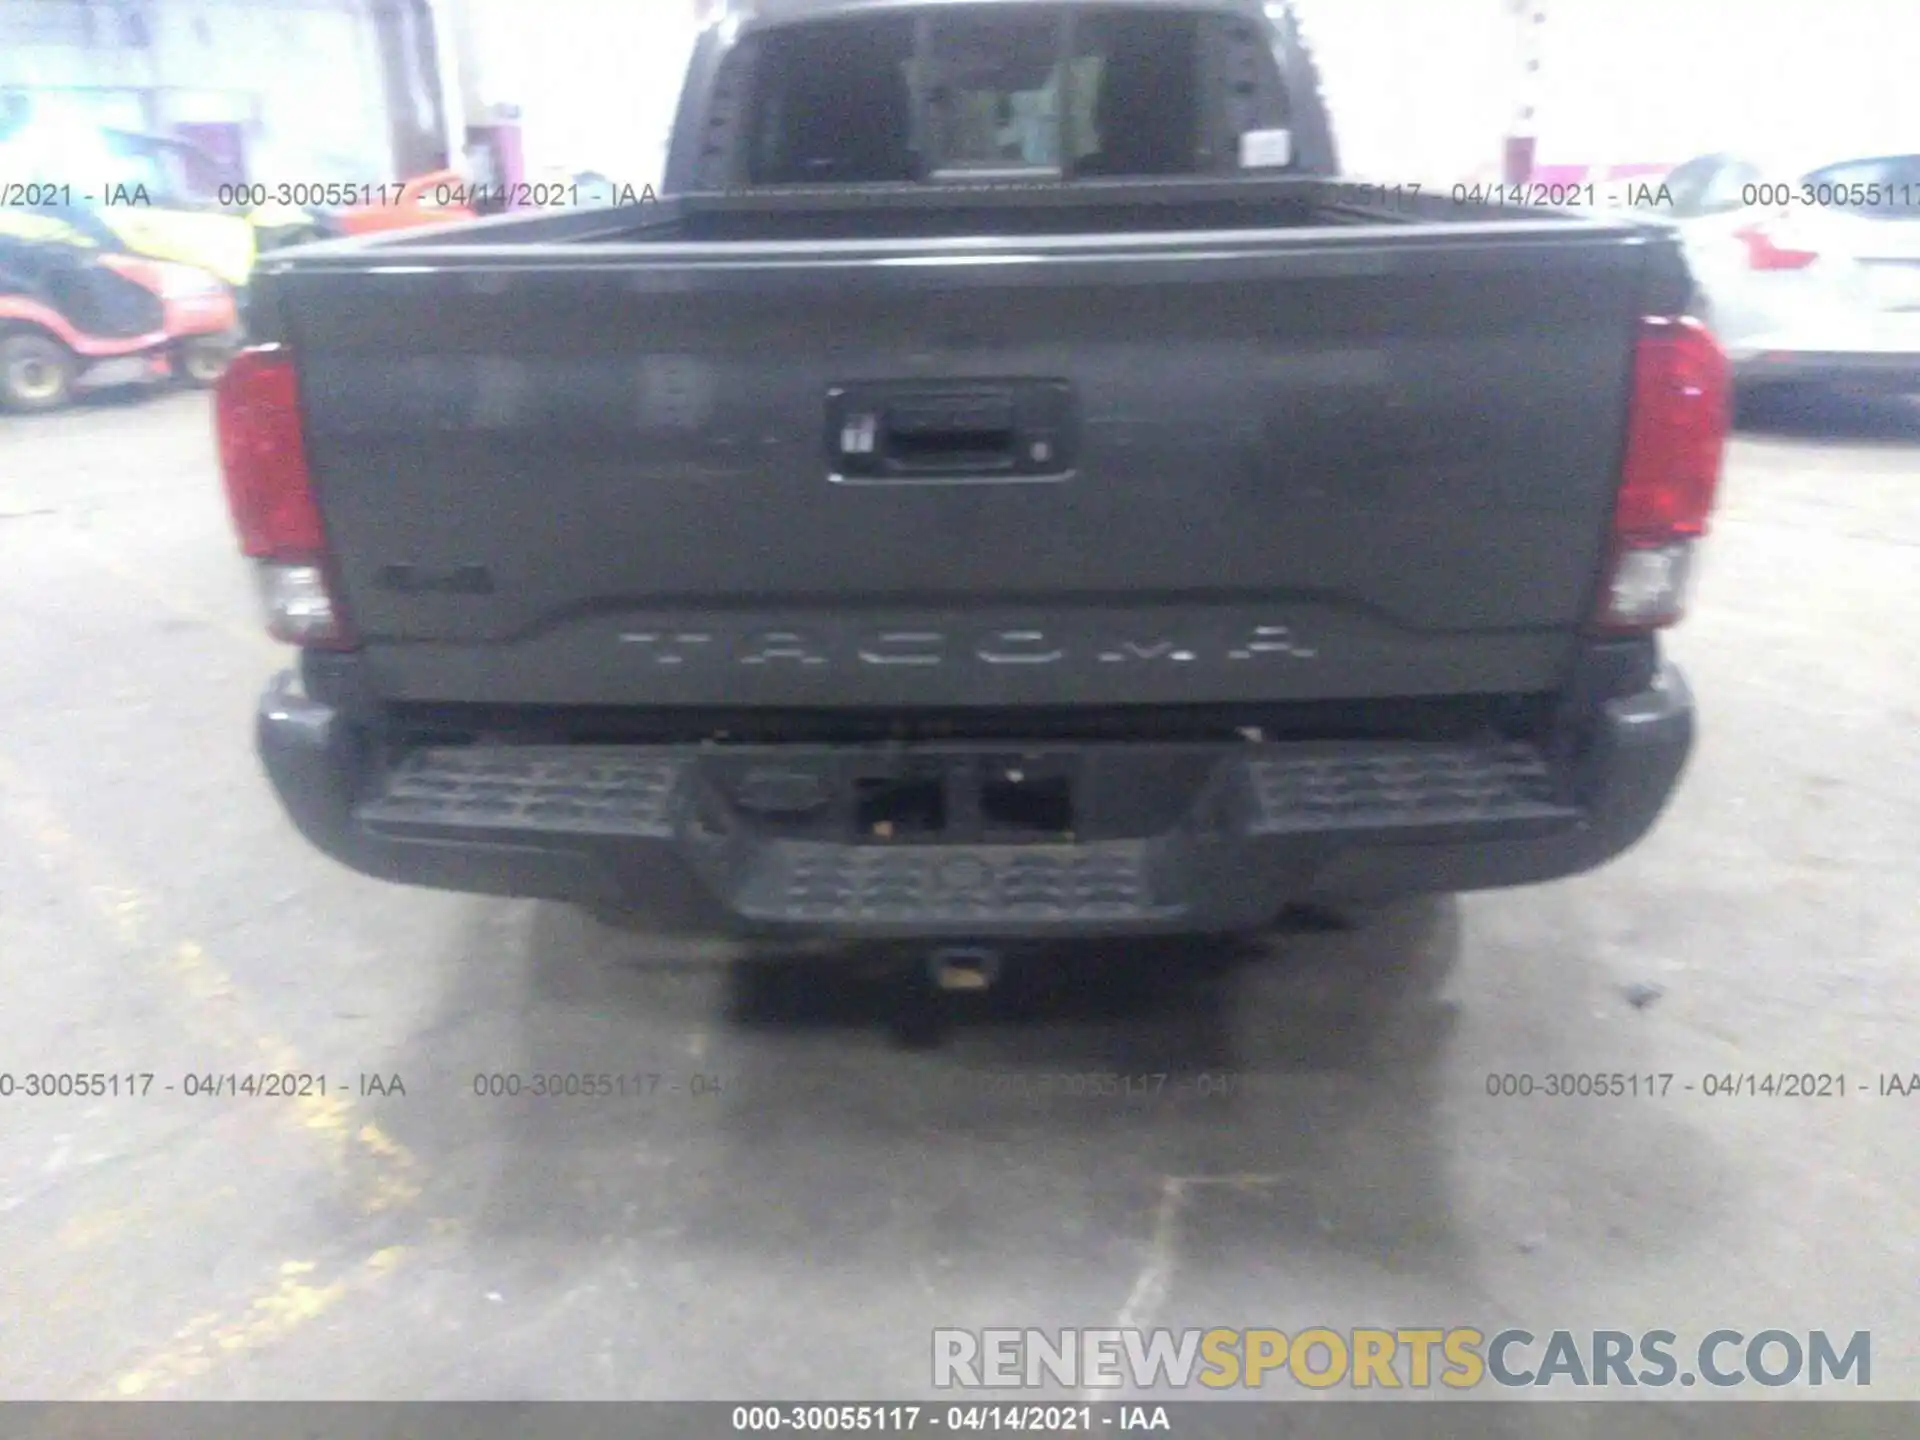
(951, 431)
(958, 432)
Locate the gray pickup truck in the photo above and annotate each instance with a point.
(1010, 486)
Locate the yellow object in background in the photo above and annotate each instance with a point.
(41, 226)
(221, 244)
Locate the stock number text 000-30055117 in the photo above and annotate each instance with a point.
(1654, 1085)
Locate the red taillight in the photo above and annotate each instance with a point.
(1765, 252)
(1677, 423)
(263, 459)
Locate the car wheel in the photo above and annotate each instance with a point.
(37, 373)
(201, 362)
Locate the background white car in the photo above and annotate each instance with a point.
(1807, 271)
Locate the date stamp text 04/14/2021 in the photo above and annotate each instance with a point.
(1713, 1084)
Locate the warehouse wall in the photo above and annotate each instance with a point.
(1419, 92)
(300, 76)
(1684, 76)
(1427, 89)
(595, 82)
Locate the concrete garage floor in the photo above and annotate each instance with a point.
(799, 1233)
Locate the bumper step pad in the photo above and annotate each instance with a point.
(586, 789)
(1403, 786)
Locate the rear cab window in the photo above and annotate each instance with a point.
(975, 92)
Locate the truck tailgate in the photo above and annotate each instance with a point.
(1242, 466)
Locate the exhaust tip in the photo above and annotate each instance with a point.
(964, 967)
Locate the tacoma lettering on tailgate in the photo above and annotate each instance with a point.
(913, 647)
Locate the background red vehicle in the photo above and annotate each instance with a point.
(417, 204)
(71, 320)
(199, 315)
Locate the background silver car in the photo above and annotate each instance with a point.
(1808, 271)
